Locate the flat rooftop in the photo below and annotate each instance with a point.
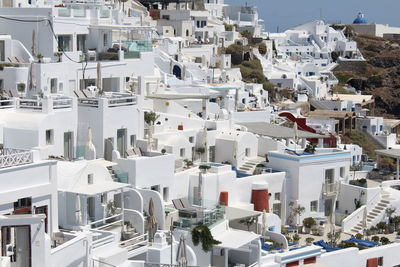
(277, 131)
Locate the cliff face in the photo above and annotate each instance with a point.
(381, 77)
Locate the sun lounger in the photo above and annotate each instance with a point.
(79, 94)
(364, 243)
(87, 93)
(325, 246)
(13, 92)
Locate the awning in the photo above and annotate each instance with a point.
(236, 213)
(392, 153)
(97, 189)
(277, 131)
(178, 96)
(103, 162)
(235, 239)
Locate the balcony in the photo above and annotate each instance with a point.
(10, 157)
(45, 104)
(330, 189)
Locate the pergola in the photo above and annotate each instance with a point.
(391, 153)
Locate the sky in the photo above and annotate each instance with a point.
(289, 13)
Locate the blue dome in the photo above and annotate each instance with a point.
(360, 19)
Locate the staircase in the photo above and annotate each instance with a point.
(375, 215)
(250, 165)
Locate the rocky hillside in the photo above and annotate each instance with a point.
(381, 77)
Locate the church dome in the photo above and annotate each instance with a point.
(360, 19)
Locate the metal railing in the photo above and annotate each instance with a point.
(13, 157)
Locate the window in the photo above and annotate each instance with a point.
(65, 43)
(277, 196)
(90, 178)
(182, 152)
(191, 139)
(329, 176)
(104, 199)
(53, 85)
(23, 202)
(247, 152)
(2, 51)
(105, 39)
(21, 87)
(342, 171)
(314, 206)
(49, 137)
(165, 193)
(81, 42)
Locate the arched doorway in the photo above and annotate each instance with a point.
(177, 72)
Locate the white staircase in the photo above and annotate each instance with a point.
(250, 165)
(375, 215)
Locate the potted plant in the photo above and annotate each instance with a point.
(188, 163)
(297, 211)
(309, 241)
(39, 57)
(384, 240)
(359, 236)
(375, 238)
(59, 55)
(314, 230)
(308, 223)
(204, 168)
(381, 227)
(296, 239)
(259, 168)
(163, 151)
(391, 228)
(127, 232)
(321, 229)
(373, 230)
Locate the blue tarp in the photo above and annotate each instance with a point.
(240, 174)
(364, 243)
(325, 246)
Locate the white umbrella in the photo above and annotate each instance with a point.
(78, 212)
(99, 79)
(34, 47)
(181, 257)
(90, 148)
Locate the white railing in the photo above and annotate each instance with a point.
(103, 222)
(29, 103)
(13, 157)
(329, 189)
(353, 219)
(134, 242)
(39, 104)
(101, 238)
(7, 103)
(114, 101)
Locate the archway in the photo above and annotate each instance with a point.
(177, 72)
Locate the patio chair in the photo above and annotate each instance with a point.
(130, 152)
(185, 209)
(13, 92)
(137, 151)
(87, 93)
(79, 94)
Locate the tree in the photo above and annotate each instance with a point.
(150, 117)
(203, 234)
(333, 237)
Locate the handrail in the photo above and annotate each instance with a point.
(355, 215)
(104, 219)
(102, 262)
